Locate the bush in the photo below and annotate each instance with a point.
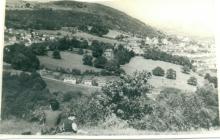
(99, 30)
(87, 60)
(56, 54)
(97, 48)
(113, 122)
(80, 52)
(100, 62)
(212, 79)
(72, 94)
(192, 81)
(123, 55)
(158, 71)
(171, 74)
(76, 72)
(185, 69)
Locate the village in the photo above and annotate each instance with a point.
(201, 55)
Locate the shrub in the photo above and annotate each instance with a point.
(67, 97)
(192, 81)
(80, 52)
(185, 69)
(76, 72)
(123, 55)
(212, 79)
(87, 60)
(158, 71)
(99, 30)
(171, 74)
(97, 48)
(100, 62)
(113, 122)
(56, 54)
(72, 94)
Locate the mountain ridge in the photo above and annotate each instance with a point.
(86, 13)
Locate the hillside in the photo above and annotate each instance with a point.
(139, 64)
(70, 13)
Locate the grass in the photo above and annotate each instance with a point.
(17, 127)
(56, 86)
(69, 61)
(139, 63)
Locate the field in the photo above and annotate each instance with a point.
(56, 86)
(139, 63)
(69, 61)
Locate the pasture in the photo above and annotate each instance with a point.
(69, 61)
(139, 64)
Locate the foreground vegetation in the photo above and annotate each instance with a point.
(121, 104)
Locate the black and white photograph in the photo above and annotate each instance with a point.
(109, 68)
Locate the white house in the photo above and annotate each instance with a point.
(108, 54)
(87, 82)
(70, 80)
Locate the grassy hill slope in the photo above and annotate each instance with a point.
(139, 64)
(70, 13)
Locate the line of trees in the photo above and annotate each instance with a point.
(156, 54)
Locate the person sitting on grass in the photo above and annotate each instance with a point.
(69, 125)
(51, 119)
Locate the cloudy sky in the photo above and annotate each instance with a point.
(195, 17)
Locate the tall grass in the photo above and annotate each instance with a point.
(17, 127)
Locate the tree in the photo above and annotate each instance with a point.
(171, 74)
(100, 62)
(112, 66)
(185, 69)
(99, 30)
(80, 51)
(127, 97)
(192, 81)
(56, 54)
(21, 57)
(212, 79)
(39, 48)
(158, 71)
(97, 49)
(123, 55)
(87, 60)
(27, 5)
(207, 76)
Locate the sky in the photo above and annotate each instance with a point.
(188, 17)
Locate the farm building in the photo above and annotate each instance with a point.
(71, 80)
